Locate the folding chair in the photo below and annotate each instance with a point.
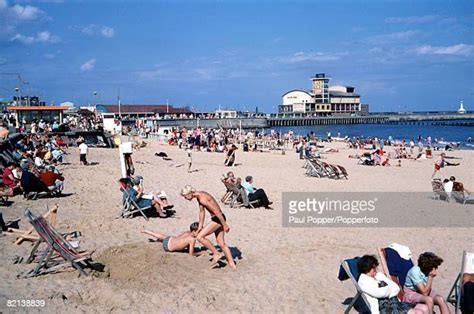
(390, 273)
(228, 193)
(359, 301)
(343, 172)
(438, 190)
(467, 267)
(29, 235)
(57, 245)
(245, 199)
(130, 207)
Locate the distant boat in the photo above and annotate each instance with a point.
(461, 109)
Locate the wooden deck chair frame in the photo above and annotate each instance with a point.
(132, 207)
(55, 244)
(313, 169)
(328, 170)
(335, 170)
(227, 194)
(454, 295)
(359, 293)
(29, 234)
(438, 190)
(245, 199)
(343, 172)
(319, 168)
(383, 263)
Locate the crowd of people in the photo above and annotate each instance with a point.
(32, 168)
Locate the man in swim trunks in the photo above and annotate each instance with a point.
(217, 225)
(179, 243)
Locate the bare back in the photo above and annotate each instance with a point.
(208, 202)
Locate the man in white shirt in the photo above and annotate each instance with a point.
(83, 149)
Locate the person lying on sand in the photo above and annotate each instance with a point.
(179, 243)
(218, 224)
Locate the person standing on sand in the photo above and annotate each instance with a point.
(217, 225)
(190, 159)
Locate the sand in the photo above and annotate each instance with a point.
(279, 270)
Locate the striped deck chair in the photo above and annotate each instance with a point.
(59, 251)
(314, 169)
(130, 207)
(343, 172)
(467, 268)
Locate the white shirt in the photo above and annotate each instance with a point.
(83, 148)
(372, 292)
(448, 186)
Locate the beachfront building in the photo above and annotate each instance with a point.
(322, 100)
(29, 114)
(144, 111)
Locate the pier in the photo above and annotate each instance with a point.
(279, 120)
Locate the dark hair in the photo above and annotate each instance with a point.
(248, 178)
(445, 180)
(427, 261)
(194, 226)
(366, 263)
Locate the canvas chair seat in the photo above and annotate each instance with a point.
(359, 301)
(130, 207)
(56, 244)
(467, 267)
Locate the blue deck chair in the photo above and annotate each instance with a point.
(394, 267)
(348, 270)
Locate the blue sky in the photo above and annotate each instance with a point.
(400, 55)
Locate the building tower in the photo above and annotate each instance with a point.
(461, 109)
(321, 88)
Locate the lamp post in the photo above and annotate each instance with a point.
(18, 99)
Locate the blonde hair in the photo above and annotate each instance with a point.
(187, 190)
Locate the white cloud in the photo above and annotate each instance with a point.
(309, 57)
(41, 37)
(88, 65)
(454, 50)
(413, 19)
(99, 30)
(392, 37)
(26, 13)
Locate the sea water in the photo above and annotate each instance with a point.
(383, 131)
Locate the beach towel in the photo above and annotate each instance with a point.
(402, 250)
(397, 266)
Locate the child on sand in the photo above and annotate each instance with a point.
(217, 225)
(179, 243)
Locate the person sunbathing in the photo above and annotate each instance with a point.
(179, 243)
(218, 224)
(127, 187)
(380, 291)
(419, 281)
(159, 198)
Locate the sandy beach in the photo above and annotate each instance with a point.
(278, 270)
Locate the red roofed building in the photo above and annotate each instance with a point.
(142, 111)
